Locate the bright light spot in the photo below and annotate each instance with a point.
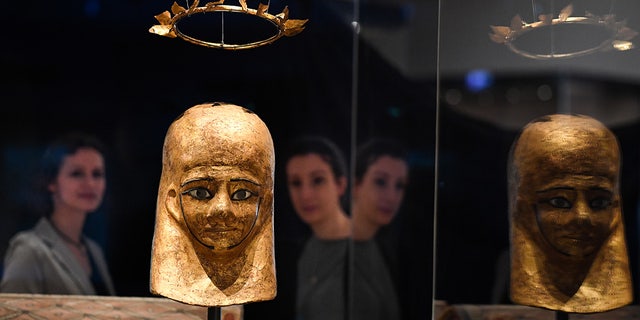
(622, 45)
(478, 80)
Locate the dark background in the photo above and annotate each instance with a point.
(92, 65)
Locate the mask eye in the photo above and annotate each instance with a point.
(199, 193)
(560, 202)
(241, 195)
(600, 203)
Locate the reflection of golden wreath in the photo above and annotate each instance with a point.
(168, 26)
(619, 34)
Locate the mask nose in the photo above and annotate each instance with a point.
(582, 211)
(219, 208)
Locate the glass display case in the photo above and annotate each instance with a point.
(447, 78)
(489, 89)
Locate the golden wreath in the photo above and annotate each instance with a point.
(168, 26)
(619, 33)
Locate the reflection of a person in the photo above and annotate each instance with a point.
(213, 241)
(568, 249)
(381, 176)
(317, 181)
(55, 257)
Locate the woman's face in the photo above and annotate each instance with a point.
(81, 181)
(313, 189)
(379, 194)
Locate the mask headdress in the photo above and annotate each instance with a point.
(213, 238)
(568, 250)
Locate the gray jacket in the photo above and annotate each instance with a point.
(38, 261)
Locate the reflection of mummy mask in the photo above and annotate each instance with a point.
(568, 250)
(213, 239)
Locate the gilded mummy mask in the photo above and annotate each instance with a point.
(568, 249)
(213, 237)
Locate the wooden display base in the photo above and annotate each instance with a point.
(39, 306)
(444, 311)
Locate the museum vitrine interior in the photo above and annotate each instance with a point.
(436, 75)
(501, 66)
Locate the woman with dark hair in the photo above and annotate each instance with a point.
(55, 257)
(381, 177)
(380, 180)
(317, 182)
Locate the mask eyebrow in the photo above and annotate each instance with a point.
(212, 179)
(195, 180)
(555, 189)
(245, 180)
(594, 188)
